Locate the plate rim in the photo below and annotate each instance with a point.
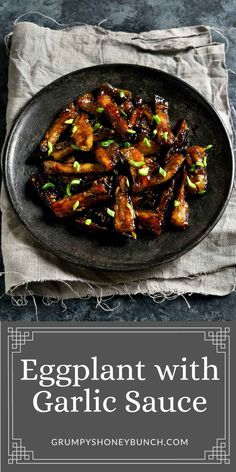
(78, 261)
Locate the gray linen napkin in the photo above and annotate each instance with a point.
(40, 55)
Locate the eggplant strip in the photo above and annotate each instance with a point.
(52, 167)
(164, 133)
(124, 212)
(154, 220)
(98, 193)
(107, 157)
(82, 132)
(196, 160)
(180, 212)
(113, 114)
(56, 129)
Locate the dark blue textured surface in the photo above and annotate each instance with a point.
(128, 15)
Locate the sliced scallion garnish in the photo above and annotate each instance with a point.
(129, 206)
(192, 168)
(144, 171)
(190, 183)
(100, 109)
(107, 143)
(162, 171)
(208, 147)
(199, 164)
(176, 203)
(205, 161)
(127, 144)
(156, 118)
(69, 122)
(74, 146)
(48, 185)
(136, 163)
(74, 129)
(123, 113)
(96, 126)
(110, 212)
(76, 205)
(154, 133)
(146, 142)
(88, 222)
(201, 192)
(127, 181)
(50, 148)
(122, 94)
(70, 184)
(131, 131)
(164, 135)
(76, 166)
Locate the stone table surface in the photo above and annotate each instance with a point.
(134, 16)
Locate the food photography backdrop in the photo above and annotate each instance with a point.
(133, 17)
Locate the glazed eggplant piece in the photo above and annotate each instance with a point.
(98, 193)
(180, 212)
(124, 220)
(164, 134)
(196, 161)
(115, 92)
(154, 220)
(175, 162)
(148, 146)
(82, 132)
(143, 178)
(88, 103)
(181, 132)
(95, 220)
(62, 150)
(113, 114)
(107, 156)
(46, 190)
(61, 123)
(102, 134)
(52, 167)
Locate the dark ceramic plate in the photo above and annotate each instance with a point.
(206, 128)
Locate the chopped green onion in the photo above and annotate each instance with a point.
(122, 94)
(110, 212)
(127, 145)
(205, 161)
(136, 163)
(76, 166)
(131, 131)
(75, 182)
(96, 126)
(201, 192)
(69, 122)
(146, 142)
(88, 222)
(144, 171)
(162, 171)
(190, 183)
(50, 148)
(107, 143)
(76, 205)
(127, 181)
(164, 135)
(129, 206)
(123, 113)
(156, 118)
(192, 168)
(176, 203)
(48, 185)
(154, 132)
(74, 129)
(208, 147)
(199, 164)
(74, 146)
(100, 109)
(69, 185)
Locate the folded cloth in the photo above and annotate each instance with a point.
(40, 55)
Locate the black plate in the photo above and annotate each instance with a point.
(206, 128)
